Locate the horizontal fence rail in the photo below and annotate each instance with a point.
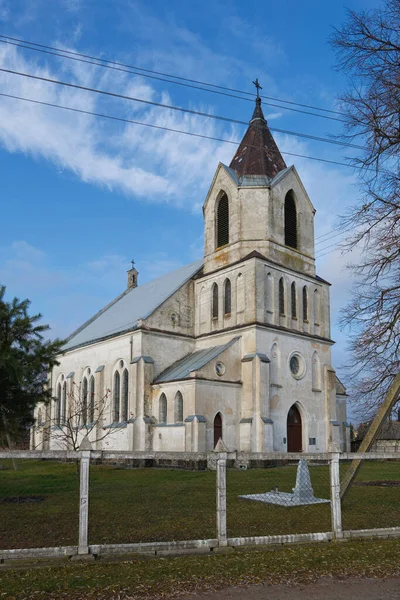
(66, 503)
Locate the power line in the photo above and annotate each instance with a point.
(176, 108)
(340, 227)
(341, 232)
(146, 72)
(114, 118)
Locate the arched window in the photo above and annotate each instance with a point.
(84, 411)
(178, 408)
(316, 307)
(240, 303)
(125, 395)
(117, 381)
(269, 295)
(63, 417)
(305, 304)
(58, 405)
(290, 220)
(39, 421)
(223, 221)
(293, 300)
(281, 296)
(215, 301)
(162, 409)
(227, 297)
(91, 400)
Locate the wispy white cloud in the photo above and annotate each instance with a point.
(147, 162)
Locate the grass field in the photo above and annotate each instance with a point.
(142, 505)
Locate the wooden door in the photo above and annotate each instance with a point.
(294, 430)
(217, 428)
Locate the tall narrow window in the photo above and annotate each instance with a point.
(316, 307)
(162, 409)
(215, 301)
(178, 408)
(64, 403)
(305, 304)
(293, 300)
(125, 395)
(223, 221)
(91, 400)
(227, 297)
(290, 220)
(281, 297)
(84, 401)
(117, 381)
(58, 405)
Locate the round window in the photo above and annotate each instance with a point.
(297, 366)
(220, 368)
(121, 364)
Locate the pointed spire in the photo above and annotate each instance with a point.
(258, 153)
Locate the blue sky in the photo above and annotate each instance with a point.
(82, 196)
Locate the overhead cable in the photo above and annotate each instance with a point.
(199, 135)
(176, 108)
(110, 63)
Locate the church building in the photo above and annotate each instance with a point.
(234, 346)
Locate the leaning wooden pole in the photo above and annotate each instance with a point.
(384, 410)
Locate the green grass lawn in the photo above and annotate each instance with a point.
(141, 505)
(161, 578)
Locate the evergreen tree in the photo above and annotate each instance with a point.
(25, 361)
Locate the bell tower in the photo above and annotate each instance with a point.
(258, 204)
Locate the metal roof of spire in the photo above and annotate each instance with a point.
(258, 153)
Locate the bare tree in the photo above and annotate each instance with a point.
(368, 51)
(77, 414)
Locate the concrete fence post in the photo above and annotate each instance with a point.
(336, 508)
(83, 546)
(221, 498)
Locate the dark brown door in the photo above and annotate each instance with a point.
(217, 428)
(294, 430)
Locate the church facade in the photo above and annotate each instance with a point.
(236, 345)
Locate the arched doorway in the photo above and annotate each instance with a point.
(217, 428)
(294, 430)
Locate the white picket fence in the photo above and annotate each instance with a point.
(217, 461)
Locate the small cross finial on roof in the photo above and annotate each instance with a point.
(258, 87)
(132, 263)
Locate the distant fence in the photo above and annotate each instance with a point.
(55, 503)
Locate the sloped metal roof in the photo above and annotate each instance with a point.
(122, 314)
(193, 362)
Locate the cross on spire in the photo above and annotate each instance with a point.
(132, 263)
(258, 87)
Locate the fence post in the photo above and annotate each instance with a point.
(221, 498)
(83, 546)
(336, 508)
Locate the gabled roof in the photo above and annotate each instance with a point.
(123, 313)
(258, 153)
(193, 362)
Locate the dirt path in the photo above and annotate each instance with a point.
(324, 589)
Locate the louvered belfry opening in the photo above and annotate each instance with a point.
(290, 220)
(223, 221)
